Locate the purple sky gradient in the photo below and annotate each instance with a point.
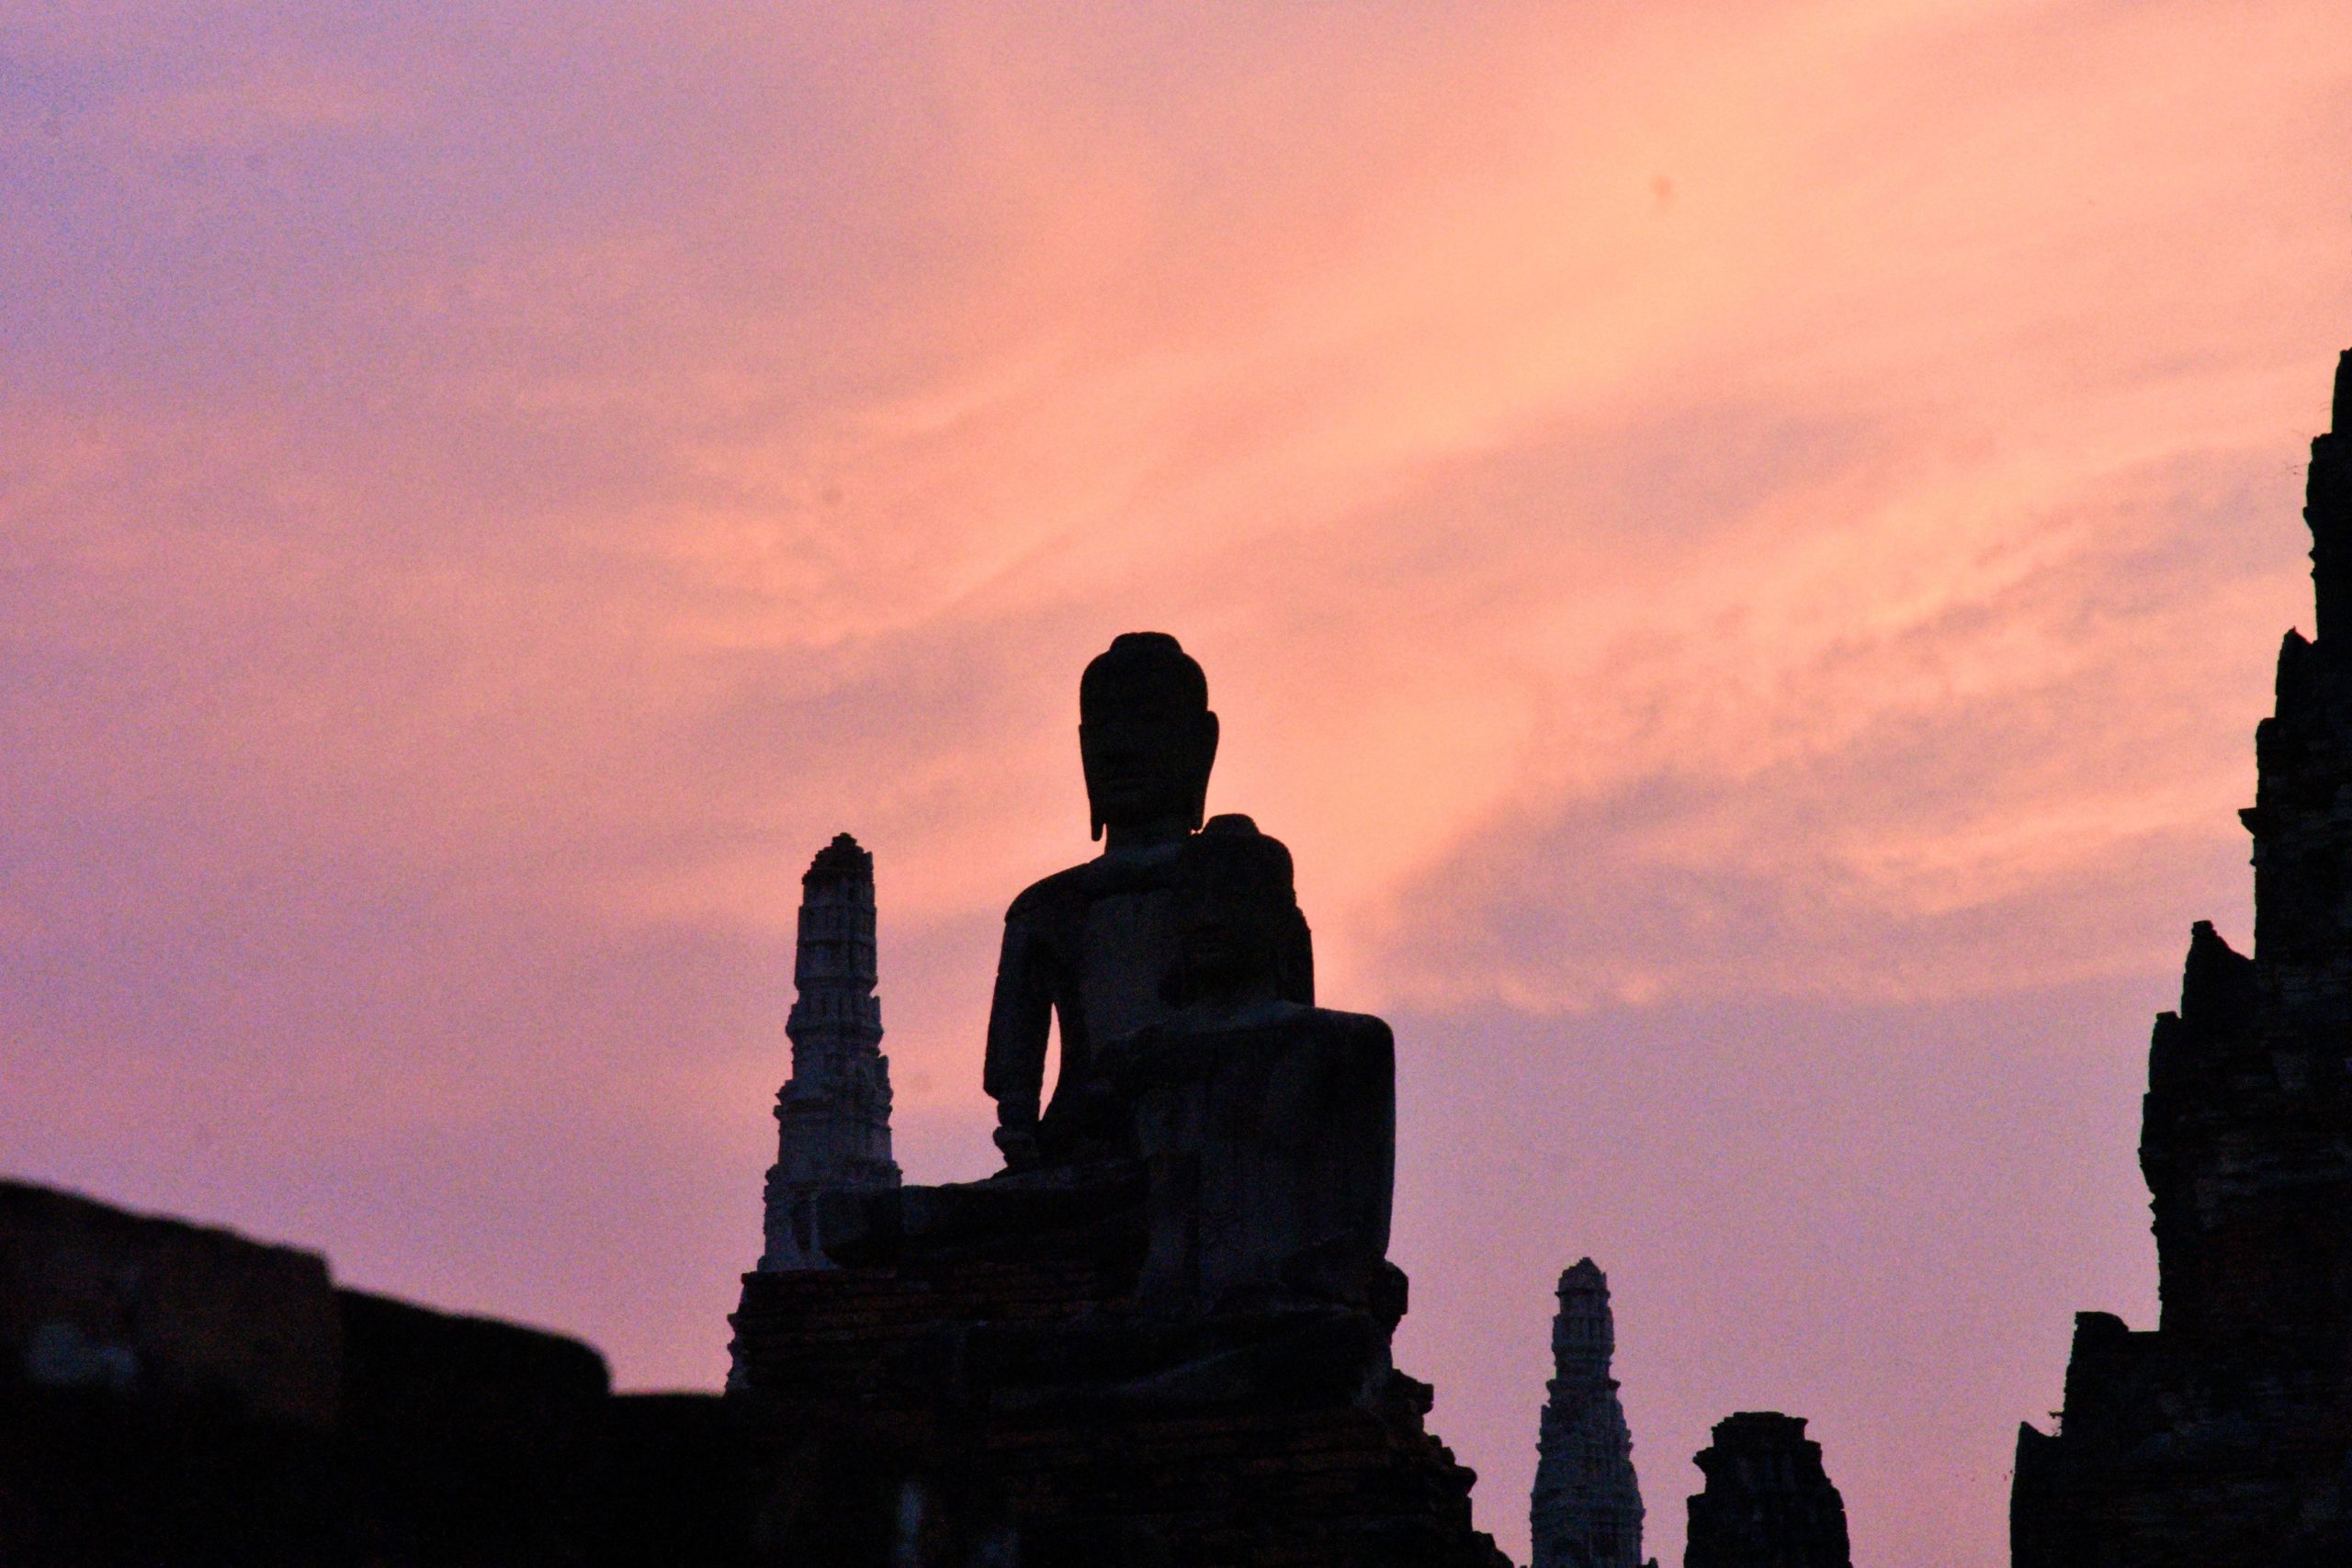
(1740, 545)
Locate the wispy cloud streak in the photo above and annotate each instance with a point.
(1740, 545)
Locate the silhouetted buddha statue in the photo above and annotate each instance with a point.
(1267, 1127)
(1090, 949)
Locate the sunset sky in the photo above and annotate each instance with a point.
(1740, 544)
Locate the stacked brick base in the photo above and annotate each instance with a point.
(996, 1411)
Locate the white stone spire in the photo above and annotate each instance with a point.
(1587, 1509)
(835, 1111)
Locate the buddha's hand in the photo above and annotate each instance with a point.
(1016, 1137)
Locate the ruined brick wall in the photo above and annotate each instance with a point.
(2220, 1439)
(1768, 1502)
(91, 1296)
(171, 1393)
(932, 1415)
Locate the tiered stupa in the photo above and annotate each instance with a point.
(1586, 1510)
(2223, 1437)
(835, 1111)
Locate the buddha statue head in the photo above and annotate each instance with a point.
(1146, 737)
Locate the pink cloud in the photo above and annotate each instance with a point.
(1777, 660)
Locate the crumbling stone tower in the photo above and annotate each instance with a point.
(1768, 1503)
(1587, 1509)
(2221, 1437)
(2244, 1145)
(835, 1111)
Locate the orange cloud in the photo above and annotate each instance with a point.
(1705, 522)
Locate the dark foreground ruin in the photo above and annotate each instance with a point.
(2223, 1436)
(176, 1394)
(1768, 1503)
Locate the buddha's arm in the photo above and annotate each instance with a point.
(1022, 1011)
(1297, 967)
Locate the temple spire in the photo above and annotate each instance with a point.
(1586, 1509)
(2328, 507)
(834, 1114)
(2216, 1437)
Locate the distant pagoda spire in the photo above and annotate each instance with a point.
(835, 1111)
(2328, 507)
(1586, 1509)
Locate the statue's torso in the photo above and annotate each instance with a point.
(1092, 946)
(1092, 950)
(1126, 948)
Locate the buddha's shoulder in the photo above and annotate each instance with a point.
(1058, 894)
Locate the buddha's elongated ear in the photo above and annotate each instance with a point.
(1208, 761)
(1096, 831)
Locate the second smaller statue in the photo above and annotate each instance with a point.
(1267, 1127)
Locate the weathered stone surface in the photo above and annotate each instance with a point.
(674, 1480)
(1013, 1214)
(1586, 1511)
(834, 1115)
(1768, 1502)
(1269, 1137)
(94, 1297)
(935, 1412)
(468, 1438)
(2224, 1436)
